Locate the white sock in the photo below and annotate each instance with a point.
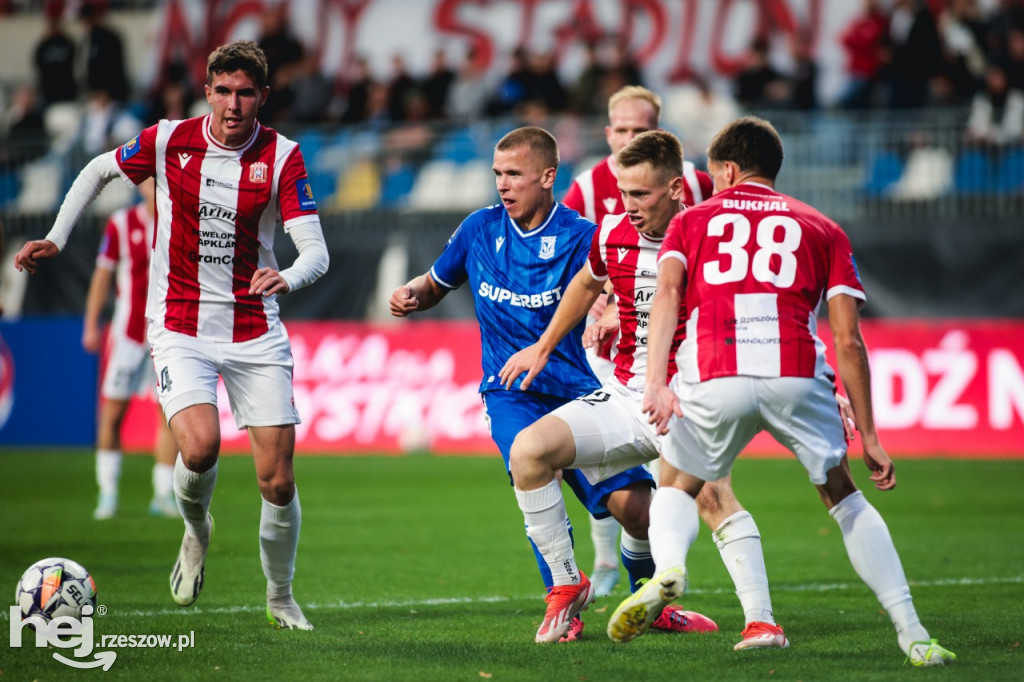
(163, 479)
(547, 524)
(279, 543)
(874, 557)
(674, 526)
(194, 491)
(739, 543)
(604, 533)
(108, 471)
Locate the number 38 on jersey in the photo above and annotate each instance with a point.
(735, 262)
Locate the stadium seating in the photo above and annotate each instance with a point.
(1010, 172)
(972, 173)
(475, 187)
(457, 145)
(431, 191)
(359, 188)
(396, 185)
(883, 172)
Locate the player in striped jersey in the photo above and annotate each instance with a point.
(606, 430)
(124, 258)
(751, 267)
(594, 193)
(632, 110)
(222, 183)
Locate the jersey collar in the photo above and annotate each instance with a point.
(208, 134)
(536, 230)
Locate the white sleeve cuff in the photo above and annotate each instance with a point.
(312, 261)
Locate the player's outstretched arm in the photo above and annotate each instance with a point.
(32, 252)
(660, 402)
(855, 372)
(579, 296)
(86, 187)
(419, 294)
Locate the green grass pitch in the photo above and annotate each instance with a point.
(417, 568)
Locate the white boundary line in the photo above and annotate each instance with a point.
(444, 601)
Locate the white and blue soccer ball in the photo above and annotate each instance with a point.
(55, 587)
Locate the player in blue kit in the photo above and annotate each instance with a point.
(519, 256)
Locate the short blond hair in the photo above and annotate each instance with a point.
(541, 143)
(635, 92)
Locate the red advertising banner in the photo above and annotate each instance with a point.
(947, 388)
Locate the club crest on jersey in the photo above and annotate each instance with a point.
(258, 172)
(609, 204)
(131, 149)
(305, 192)
(547, 248)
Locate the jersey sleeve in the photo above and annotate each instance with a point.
(574, 198)
(843, 277)
(449, 270)
(295, 195)
(672, 246)
(697, 185)
(596, 257)
(707, 185)
(109, 247)
(137, 157)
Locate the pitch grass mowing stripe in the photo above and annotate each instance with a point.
(412, 603)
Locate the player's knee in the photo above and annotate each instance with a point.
(197, 453)
(278, 488)
(526, 452)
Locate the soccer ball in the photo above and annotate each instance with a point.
(55, 587)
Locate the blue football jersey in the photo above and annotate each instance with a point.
(518, 279)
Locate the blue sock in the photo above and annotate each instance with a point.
(637, 559)
(545, 572)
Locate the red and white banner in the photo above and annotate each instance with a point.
(671, 40)
(941, 388)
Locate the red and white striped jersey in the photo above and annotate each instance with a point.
(594, 193)
(630, 259)
(217, 208)
(127, 243)
(758, 263)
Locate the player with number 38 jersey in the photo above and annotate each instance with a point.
(752, 308)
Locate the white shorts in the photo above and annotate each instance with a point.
(129, 369)
(257, 375)
(610, 431)
(721, 416)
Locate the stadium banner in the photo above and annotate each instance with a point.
(949, 388)
(671, 40)
(48, 383)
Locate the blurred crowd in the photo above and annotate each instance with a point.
(908, 54)
(900, 54)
